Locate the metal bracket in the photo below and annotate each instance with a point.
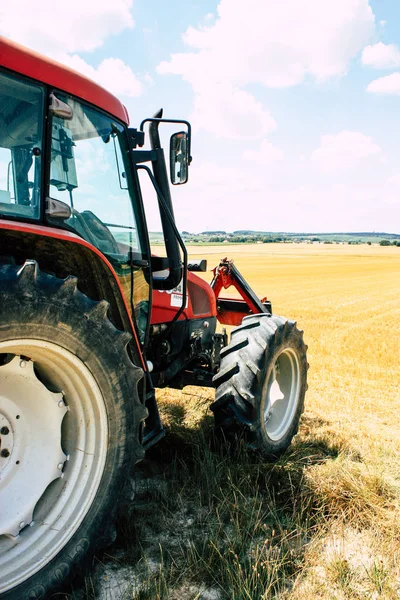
(135, 138)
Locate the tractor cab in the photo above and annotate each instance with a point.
(68, 165)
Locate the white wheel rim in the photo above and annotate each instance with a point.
(281, 394)
(68, 445)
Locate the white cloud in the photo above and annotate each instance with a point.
(60, 31)
(274, 44)
(394, 180)
(58, 27)
(386, 86)
(267, 154)
(148, 79)
(381, 56)
(112, 73)
(229, 112)
(345, 149)
(217, 188)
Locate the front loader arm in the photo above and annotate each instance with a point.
(231, 311)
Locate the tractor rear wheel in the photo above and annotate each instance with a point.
(70, 419)
(261, 384)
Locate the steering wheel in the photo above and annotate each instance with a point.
(104, 239)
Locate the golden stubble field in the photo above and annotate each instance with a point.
(335, 497)
(347, 300)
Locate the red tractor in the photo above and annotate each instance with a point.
(91, 322)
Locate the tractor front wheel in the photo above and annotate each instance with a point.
(70, 419)
(261, 384)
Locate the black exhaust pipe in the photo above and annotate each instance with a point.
(170, 238)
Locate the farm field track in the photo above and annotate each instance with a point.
(322, 522)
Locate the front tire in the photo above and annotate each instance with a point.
(70, 428)
(261, 385)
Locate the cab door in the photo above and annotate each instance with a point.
(91, 181)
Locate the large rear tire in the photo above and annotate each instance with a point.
(261, 384)
(70, 418)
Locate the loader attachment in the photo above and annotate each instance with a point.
(231, 310)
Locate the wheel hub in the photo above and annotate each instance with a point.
(31, 456)
(282, 392)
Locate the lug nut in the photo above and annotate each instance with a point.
(4, 431)
(5, 453)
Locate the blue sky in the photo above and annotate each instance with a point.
(294, 105)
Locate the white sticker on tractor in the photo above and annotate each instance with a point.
(176, 300)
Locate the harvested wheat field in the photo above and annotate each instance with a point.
(323, 521)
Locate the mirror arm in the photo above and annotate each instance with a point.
(153, 130)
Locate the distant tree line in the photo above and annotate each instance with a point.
(389, 243)
(252, 237)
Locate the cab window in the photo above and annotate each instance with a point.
(21, 132)
(88, 174)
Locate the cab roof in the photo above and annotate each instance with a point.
(45, 70)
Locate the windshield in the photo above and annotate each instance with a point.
(90, 183)
(21, 129)
(88, 174)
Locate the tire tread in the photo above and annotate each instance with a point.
(244, 363)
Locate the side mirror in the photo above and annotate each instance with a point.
(179, 158)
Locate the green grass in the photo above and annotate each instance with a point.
(223, 522)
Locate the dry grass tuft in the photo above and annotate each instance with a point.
(349, 490)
